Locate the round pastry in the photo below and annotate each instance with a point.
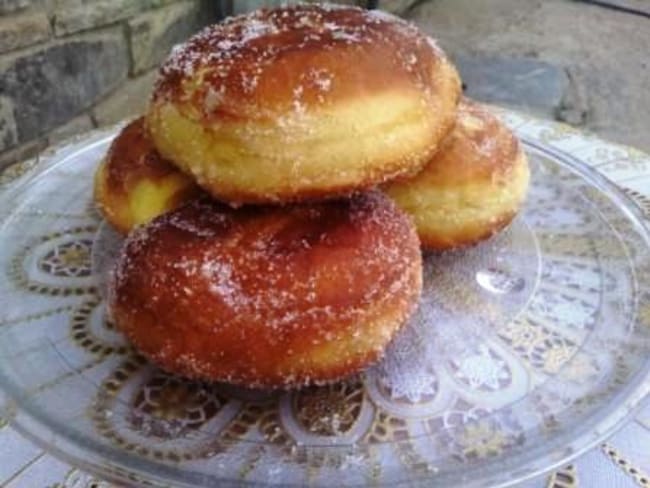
(134, 184)
(471, 188)
(302, 102)
(268, 296)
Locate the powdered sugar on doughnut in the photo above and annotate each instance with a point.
(235, 55)
(286, 280)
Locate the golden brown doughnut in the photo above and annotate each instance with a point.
(302, 102)
(268, 296)
(134, 184)
(471, 188)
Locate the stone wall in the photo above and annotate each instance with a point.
(67, 66)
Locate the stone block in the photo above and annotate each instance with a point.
(51, 85)
(397, 7)
(8, 133)
(152, 34)
(22, 30)
(128, 101)
(8, 6)
(469, 24)
(518, 82)
(75, 15)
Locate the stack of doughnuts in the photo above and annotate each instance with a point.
(277, 194)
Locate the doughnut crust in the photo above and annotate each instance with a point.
(302, 102)
(472, 188)
(134, 184)
(268, 296)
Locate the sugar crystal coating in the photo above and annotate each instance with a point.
(268, 296)
(302, 102)
(232, 58)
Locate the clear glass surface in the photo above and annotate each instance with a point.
(526, 350)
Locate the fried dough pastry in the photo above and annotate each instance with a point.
(268, 296)
(472, 188)
(134, 184)
(302, 103)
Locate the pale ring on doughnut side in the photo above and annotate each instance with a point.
(472, 188)
(134, 184)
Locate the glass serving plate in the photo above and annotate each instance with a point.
(526, 351)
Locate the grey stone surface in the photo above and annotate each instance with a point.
(604, 52)
(520, 82)
(64, 64)
(8, 133)
(76, 15)
(241, 6)
(22, 30)
(22, 152)
(78, 125)
(396, 6)
(53, 84)
(641, 5)
(462, 24)
(128, 101)
(152, 34)
(7, 6)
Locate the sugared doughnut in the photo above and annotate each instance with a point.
(471, 188)
(302, 102)
(268, 296)
(134, 184)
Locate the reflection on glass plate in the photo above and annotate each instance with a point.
(524, 352)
